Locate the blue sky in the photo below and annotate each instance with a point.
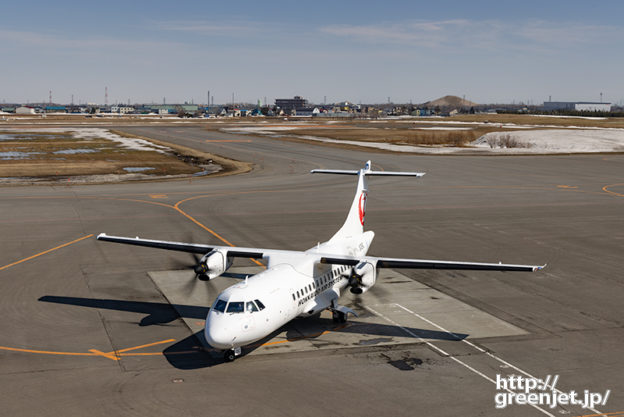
(359, 51)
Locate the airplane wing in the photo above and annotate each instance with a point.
(398, 263)
(258, 253)
(235, 252)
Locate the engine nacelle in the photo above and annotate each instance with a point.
(214, 263)
(366, 273)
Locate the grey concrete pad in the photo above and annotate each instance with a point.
(398, 310)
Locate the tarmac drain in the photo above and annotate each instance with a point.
(177, 380)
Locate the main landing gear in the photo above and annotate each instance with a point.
(339, 316)
(232, 354)
(339, 313)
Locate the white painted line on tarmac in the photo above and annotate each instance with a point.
(480, 349)
(441, 351)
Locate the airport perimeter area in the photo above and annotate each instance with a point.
(92, 327)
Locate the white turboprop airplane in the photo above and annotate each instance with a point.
(296, 283)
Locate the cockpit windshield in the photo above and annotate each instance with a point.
(220, 305)
(223, 306)
(235, 307)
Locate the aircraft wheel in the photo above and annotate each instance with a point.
(229, 355)
(342, 317)
(339, 317)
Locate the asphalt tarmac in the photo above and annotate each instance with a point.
(86, 330)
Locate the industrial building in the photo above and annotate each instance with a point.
(576, 106)
(24, 110)
(289, 104)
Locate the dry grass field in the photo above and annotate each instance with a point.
(49, 154)
(454, 131)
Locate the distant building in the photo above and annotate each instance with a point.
(56, 109)
(24, 110)
(126, 109)
(306, 111)
(576, 106)
(289, 104)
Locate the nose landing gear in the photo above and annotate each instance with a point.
(232, 354)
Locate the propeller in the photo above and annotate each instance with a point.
(355, 282)
(199, 268)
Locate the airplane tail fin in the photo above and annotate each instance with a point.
(354, 225)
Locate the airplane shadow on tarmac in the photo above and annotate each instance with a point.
(189, 353)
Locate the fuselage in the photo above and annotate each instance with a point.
(291, 286)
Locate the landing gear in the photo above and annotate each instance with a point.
(229, 356)
(339, 316)
(232, 354)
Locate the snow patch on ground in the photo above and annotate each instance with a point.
(548, 141)
(557, 141)
(100, 133)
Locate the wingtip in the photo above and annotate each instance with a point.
(539, 268)
(100, 235)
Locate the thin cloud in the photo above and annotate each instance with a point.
(233, 28)
(568, 33)
(431, 33)
(37, 39)
(477, 34)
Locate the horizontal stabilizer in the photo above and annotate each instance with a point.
(335, 171)
(368, 173)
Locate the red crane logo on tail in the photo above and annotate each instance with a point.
(362, 207)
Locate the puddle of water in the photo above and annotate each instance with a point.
(74, 151)
(25, 136)
(16, 155)
(137, 169)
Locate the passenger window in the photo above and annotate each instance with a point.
(220, 305)
(294, 297)
(235, 307)
(251, 307)
(260, 305)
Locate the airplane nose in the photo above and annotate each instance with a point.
(217, 336)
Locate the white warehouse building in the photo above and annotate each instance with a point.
(577, 106)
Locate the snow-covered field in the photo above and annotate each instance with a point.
(538, 141)
(556, 141)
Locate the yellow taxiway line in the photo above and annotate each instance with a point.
(44, 252)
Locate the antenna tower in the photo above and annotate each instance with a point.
(106, 96)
